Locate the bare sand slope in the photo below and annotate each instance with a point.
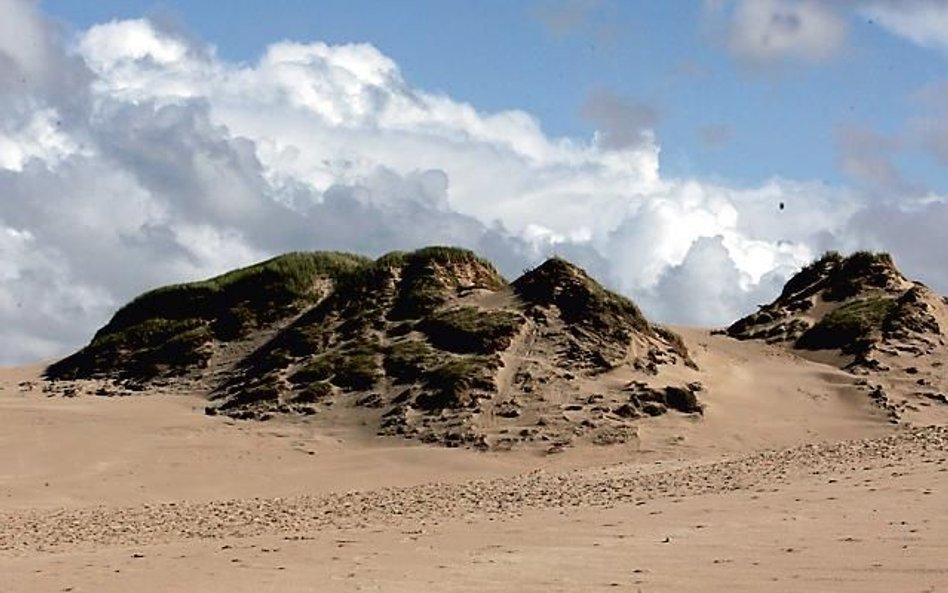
(87, 450)
(791, 481)
(758, 396)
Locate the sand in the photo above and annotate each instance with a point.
(792, 481)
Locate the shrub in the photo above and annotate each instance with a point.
(313, 393)
(849, 325)
(471, 330)
(406, 361)
(451, 384)
(356, 371)
(318, 369)
(265, 290)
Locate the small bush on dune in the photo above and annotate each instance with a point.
(470, 330)
(846, 326)
(407, 361)
(451, 384)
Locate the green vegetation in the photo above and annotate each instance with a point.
(147, 350)
(579, 298)
(263, 291)
(452, 384)
(859, 271)
(354, 369)
(471, 330)
(424, 286)
(848, 326)
(396, 319)
(436, 255)
(357, 372)
(163, 331)
(313, 393)
(318, 369)
(357, 365)
(147, 333)
(811, 273)
(840, 277)
(865, 259)
(407, 361)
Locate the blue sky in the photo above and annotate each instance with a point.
(717, 117)
(652, 143)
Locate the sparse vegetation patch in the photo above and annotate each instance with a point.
(471, 330)
(849, 325)
(453, 384)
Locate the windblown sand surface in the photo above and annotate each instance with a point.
(792, 481)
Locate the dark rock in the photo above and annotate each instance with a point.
(508, 409)
(626, 411)
(683, 400)
(654, 408)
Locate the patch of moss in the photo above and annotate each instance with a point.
(471, 330)
(848, 326)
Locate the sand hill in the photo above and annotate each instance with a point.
(432, 345)
(861, 314)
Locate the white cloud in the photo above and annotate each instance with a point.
(33, 135)
(923, 22)
(706, 287)
(763, 32)
(165, 163)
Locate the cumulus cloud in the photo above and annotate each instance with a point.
(764, 32)
(157, 161)
(922, 22)
(705, 288)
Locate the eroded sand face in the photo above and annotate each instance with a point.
(791, 481)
